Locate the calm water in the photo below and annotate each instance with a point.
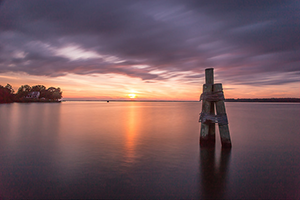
(147, 150)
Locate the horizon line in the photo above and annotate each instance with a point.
(151, 100)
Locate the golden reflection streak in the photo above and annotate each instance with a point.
(131, 133)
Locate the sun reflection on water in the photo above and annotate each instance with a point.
(131, 134)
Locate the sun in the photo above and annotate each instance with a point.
(132, 96)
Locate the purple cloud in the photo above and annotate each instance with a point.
(243, 41)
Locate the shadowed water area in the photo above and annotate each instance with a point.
(147, 150)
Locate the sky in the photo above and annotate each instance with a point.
(151, 50)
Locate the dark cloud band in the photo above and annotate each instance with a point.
(234, 37)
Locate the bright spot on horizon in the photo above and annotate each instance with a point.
(132, 96)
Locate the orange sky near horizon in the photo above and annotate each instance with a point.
(119, 87)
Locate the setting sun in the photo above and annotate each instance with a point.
(132, 96)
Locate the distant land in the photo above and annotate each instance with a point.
(265, 100)
(226, 100)
(28, 94)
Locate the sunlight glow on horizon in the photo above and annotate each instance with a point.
(119, 87)
(132, 96)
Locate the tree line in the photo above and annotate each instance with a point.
(8, 95)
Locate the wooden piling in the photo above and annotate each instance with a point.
(209, 76)
(213, 96)
(209, 79)
(221, 111)
(207, 134)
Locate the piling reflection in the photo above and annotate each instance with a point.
(213, 174)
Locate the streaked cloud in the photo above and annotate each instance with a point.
(247, 42)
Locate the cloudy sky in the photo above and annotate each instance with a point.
(107, 49)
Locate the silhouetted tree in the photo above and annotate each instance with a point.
(38, 88)
(6, 94)
(24, 88)
(22, 92)
(8, 86)
(57, 94)
(53, 93)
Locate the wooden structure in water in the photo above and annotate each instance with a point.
(213, 100)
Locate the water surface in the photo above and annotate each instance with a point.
(146, 150)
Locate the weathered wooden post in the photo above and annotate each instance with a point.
(207, 134)
(213, 96)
